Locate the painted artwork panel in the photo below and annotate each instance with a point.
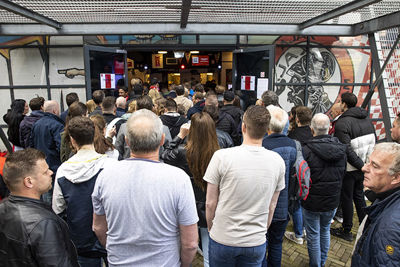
(326, 65)
(27, 66)
(66, 66)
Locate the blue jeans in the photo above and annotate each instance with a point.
(274, 243)
(297, 218)
(317, 226)
(227, 256)
(89, 262)
(204, 244)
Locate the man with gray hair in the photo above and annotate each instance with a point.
(46, 137)
(286, 148)
(155, 198)
(379, 244)
(326, 157)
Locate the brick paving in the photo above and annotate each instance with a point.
(294, 255)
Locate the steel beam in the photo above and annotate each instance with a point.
(27, 13)
(174, 28)
(379, 83)
(379, 72)
(186, 4)
(354, 5)
(378, 24)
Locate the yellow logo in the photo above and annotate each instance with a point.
(389, 249)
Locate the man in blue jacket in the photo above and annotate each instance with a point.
(379, 244)
(46, 137)
(286, 148)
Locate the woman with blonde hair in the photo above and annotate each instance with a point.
(192, 154)
(90, 105)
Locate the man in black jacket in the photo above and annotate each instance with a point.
(30, 233)
(326, 157)
(229, 108)
(354, 129)
(172, 119)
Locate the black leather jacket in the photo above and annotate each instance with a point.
(31, 234)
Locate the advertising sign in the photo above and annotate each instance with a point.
(107, 81)
(200, 60)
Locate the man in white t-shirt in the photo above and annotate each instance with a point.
(242, 191)
(145, 211)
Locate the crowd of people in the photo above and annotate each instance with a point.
(137, 180)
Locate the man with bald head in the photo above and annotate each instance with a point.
(156, 199)
(326, 157)
(121, 106)
(336, 111)
(46, 137)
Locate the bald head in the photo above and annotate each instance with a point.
(336, 110)
(121, 102)
(144, 132)
(52, 106)
(320, 124)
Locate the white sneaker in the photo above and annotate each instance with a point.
(292, 237)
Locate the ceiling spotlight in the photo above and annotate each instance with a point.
(195, 52)
(162, 52)
(219, 67)
(146, 67)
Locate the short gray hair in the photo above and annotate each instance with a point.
(320, 124)
(393, 149)
(279, 119)
(270, 98)
(144, 131)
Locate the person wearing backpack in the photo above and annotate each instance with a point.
(286, 147)
(326, 157)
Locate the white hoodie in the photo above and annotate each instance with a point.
(81, 167)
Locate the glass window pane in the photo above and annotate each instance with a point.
(217, 39)
(5, 104)
(188, 39)
(151, 39)
(101, 39)
(66, 40)
(27, 66)
(3, 71)
(261, 39)
(28, 94)
(66, 66)
(56, 94)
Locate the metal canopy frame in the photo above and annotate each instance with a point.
(199, 17)
(186, 4)
(25, 12)
(357, 4)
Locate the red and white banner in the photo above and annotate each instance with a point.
(200, 60)
(248, 83)
(107, 81)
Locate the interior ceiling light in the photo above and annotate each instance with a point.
(179, 54)
(195, 52)
(162, 52)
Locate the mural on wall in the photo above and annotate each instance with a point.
(325, 66)
(338, 63)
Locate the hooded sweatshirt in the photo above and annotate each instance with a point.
(173, 121)
(326, 157)
(75, 180)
